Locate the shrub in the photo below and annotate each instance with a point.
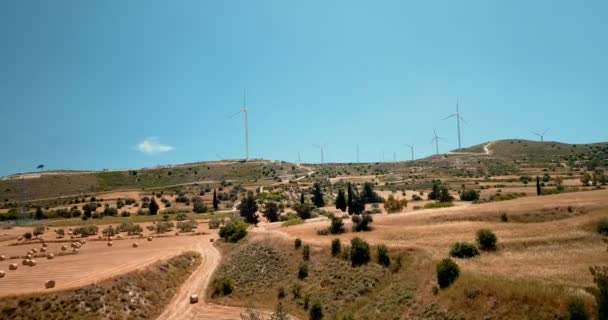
(463, 250)
(38, 230)
(577, 310)
(222, 286)
(130, 228)
(281, 293)
(336, 246)
(214, 223)
(469, 195)
(180, 216)
(164, 226)
(437, 205)
(234, 231)
(306, 252)
(359, 252)
(602, 227)
(336, 226)
(27, 236)
(86, 231)
(302, 270)
(600, 278)
(199, 207)
(303, 210)
(486, 239)
(109, 231)
(383, 257)
(187, 226)
(447, 272)
(112, 212)
(393, 205)
(291, 220)
(297, 243)
(504, 217)
(362, 222)
(315, 310)
(416, 197)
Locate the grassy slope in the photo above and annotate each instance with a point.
(374, 292)
(140, 294)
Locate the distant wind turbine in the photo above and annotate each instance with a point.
(436, 139)
(244, 111)
(321, 147)
(541, 136)
(411, 149)
(458, 119)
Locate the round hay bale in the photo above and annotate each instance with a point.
(135, 245)
(211, 240)
(12, 266)
(82, 241)
(42, 250)
(25, 262)
(70, 229)
(109, 243)
(177, 233)
(2, 274)
(20, 239)
(75, 250)
(44, 245)
(50, 256)
(100, 237)
(34, 250)
(64, 248)
(2, 257)
(118, 237)
(149, 238)
(194, 298)
(29, 256)
(32, 263)
(49, 284)
(72, 237)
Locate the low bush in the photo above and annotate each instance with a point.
(577, 310)
(469, 195)
(437, 205)
(504, 217)
(463, 250)
(187, 226)
(234, 230)
(315, 310)
(292, 221)
(306, 252)
(199, 207)
(600, 278)
(214, 223)
(164, 226)
(303, 270)
(86, 231)
(181, 216)
(336, 246)
(359, 252)
(222, 286)
(393, 205)
(336, 226)
(447, 272)
(602, 227)
(486, 240)
(383, 257)
(130, 228)
(362, 222)
(297, 243)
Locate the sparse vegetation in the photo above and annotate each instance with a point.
(359, 252)
(233, 231)
(447, 272)
(486, 240)
(463, 250)
(336, 247)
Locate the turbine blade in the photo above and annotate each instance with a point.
(450, 116)
(462, 119)
(234, 115)
(545, 131)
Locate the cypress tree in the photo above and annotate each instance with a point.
(317, 195)
(349, 200)
(302, 198)
(216, 203)
(538, 188)
(341, 201)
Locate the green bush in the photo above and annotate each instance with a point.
(112, 212)
(359, 252)
(164, 226)
(600, 278)
(181, 216)
(302, 270)
(214, 223)
(469, 195)
(297, 243)
(234, 231)
(602, 227)
(336, 246)
(577, 310)
(27, 236)
(222, 286)
(315, 310)
(130, 228)
(393, 205)
(486, 240)
(447, 272)
(187, 226)
(463, 250)
(336, 226)
(504, 217)
(383, 257)
(438, 205)
(362, 222)
(86, 231)
(199, 207)
(306, 252)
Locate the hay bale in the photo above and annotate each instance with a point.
(50, 256)
(135, 245)
(100, 237)
(211, 240)
(2, 257)
(49, 284)
(25, 262)
(20, 239)
(177, 233)
(32, 263)
(34, 250)
(149, 238)
(75, 250)
(44, 245)
(194, 298)
(42, 250)
(12, 266)
(29, 256)
(64, 248)
(109, 243)
(2, 274)
(118, 237)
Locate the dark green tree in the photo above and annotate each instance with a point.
(341, 201)
(369, 195)
(358, 205)
(317, 195)
(39, 214)
(436, 193)
(216, 202)
(302, 198)
(349, 201)
(538, 188)
(249, 209)
(153, 207)
(272, 211)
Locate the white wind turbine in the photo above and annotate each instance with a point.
(458, 119)
(244, 111)
(320, 147)
(541, 136)
(436, 139)
(411, 149)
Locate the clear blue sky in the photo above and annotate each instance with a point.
(105, 84)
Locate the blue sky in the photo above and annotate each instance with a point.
(126, 84)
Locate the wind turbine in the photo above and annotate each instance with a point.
(436, 139)
(458, 119)
(321, 147)
(357, 153)
(411, 149)
(244, 111)
(541, 136)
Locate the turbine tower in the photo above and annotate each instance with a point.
(458, 119)
(321, 147)
(244, 112)
(541, 136)
(436, 139)
(357, 153)
(411, 149)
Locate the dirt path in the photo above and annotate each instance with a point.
(486, 148)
